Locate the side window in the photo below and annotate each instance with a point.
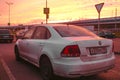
(41, 33)
(29, 33)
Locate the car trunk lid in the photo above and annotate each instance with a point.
(93, 48)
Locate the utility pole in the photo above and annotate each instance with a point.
(115, 18)
(46, 11)
(9, 5)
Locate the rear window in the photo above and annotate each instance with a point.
(73, 31)
(4, 32)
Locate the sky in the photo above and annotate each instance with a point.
(31, 11)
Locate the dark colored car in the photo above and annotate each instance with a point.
(107, 34)
(6, 35)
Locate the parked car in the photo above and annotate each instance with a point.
(106, 34)
(65, 50)
(6, 35)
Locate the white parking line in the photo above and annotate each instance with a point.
(9, 73)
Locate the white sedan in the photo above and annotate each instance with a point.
(65, 50)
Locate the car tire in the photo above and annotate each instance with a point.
(46, 70)
(17, 56)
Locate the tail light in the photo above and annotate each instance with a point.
(71, 51)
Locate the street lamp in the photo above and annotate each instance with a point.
(9, 4)
(115, 16)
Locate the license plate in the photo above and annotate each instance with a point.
(98, 50)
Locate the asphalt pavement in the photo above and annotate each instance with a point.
(3, 72)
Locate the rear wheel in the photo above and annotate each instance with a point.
(17, 56)
(46, 69)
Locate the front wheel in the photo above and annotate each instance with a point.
(46, 69)
(17, 53)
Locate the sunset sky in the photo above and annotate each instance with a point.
(31, 11)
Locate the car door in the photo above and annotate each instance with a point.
(24, 43)
(39, 39)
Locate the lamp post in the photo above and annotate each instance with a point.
(9, 5)
(46, 14)
(116, 17)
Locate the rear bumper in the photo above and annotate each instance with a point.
(90, 72)
(78, 68)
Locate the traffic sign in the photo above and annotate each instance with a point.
(99, 7)
(46, 11)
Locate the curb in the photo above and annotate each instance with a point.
(7, 70)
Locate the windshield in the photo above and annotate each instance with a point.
(73, 31)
